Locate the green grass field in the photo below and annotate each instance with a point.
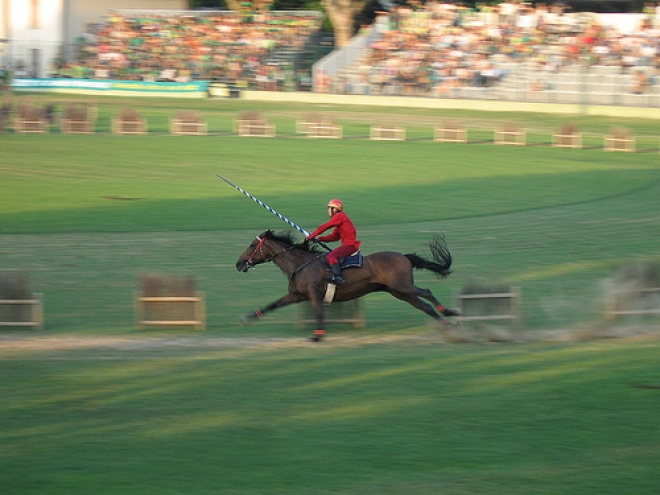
(362, 416)
(91, 404)
(85, 215)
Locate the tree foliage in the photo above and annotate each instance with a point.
(343, 14)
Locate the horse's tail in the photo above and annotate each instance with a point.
(441, 258)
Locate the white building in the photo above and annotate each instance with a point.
(34, 32)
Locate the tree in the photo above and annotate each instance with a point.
(235, 5)
(342, 14)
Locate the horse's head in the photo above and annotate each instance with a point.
(255, 254)
(269, 245)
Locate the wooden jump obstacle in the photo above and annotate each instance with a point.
(318, 126)
(323, 131)
(129, 122)
(349, 312)
(253, 124)
(255, 128)
(144, 306)
(320, 131)
(612, 313)
(387, 133)
(188, 123)
(450, 134)
(31, 119)
(79, 118)
(511, 136)
(33, 125)
(626, 144)
(36, 305)
(567, 140)
(469, 305)
(567, 136)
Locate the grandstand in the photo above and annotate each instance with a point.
(258, 51)
(446, 51)
(438, 50)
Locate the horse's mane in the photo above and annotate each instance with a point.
(288, 239)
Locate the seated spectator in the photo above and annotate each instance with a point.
(167, 75)
(640, 83)
(101, 72)
(168, 47)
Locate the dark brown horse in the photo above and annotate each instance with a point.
(305, 266)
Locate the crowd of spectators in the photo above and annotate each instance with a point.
(179, 48)
(423, 49)
(434, 48)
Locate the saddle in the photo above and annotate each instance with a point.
(352, 261)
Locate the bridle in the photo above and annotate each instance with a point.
(260, 248)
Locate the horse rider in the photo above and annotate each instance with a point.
(344, 231)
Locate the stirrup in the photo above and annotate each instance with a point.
(334, 279)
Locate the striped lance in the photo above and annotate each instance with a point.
(274, 212)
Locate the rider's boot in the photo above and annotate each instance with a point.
(336, 279)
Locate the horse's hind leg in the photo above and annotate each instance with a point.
(417, 292)
(427, 294)
(415, 301)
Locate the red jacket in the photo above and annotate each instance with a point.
(344, 230)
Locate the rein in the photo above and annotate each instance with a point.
(260, 247)
(304, 265)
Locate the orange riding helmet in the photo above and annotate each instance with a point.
(336, 203)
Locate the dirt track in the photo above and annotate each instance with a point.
(40, 343)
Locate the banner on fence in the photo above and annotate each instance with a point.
(192, 89)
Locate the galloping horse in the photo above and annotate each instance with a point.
(307, 271)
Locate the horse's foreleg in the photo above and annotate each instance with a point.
(259, 313)
(319, 314)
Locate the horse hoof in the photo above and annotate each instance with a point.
(244, 320)
(452, 312)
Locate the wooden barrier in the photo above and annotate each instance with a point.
(70, 126)
(387, 133)
(567, 140)
(79, 118)
(319, 127)
(450, 134)
(302, 126)
(36, 304)
(188, 128)
(29, 118)
(510, 137)
(612, 312)
(338, 312)
(129, 122)
(619, 143)
(39, 126)
(188, 123)
(324, 131)
(468, 303)
(255, 128)
(123, 127)
(196, 303)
